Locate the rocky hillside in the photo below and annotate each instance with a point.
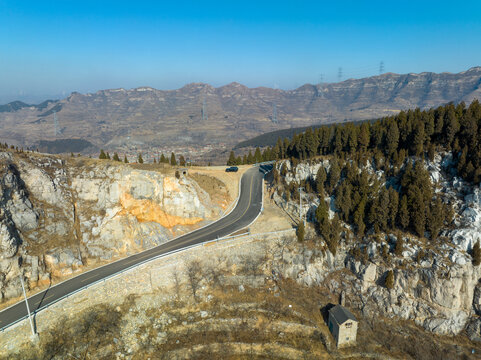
(259, 297)
(434, 281)
(149, 117)
(60, 215)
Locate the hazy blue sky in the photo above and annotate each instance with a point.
(50, 48)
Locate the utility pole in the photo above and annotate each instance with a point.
(28, 308)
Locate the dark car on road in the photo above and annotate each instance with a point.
(232, 169)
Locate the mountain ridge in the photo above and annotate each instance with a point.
(199, 113)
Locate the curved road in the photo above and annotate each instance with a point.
(246, 210)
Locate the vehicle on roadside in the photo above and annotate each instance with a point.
(232, 169)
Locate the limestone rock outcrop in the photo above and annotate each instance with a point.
(58, 215)
(440, 291)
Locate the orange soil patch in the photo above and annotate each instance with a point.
(147, 210)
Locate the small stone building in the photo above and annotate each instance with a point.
(342, 325)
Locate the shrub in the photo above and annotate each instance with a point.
(389, 281)
(476, 254)
(300, 232)
(398, 250)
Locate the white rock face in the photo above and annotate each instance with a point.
(98, 210)
(8, 241)
(303, 170)
(441, 293)
(469, 231)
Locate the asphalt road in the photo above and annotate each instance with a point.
(246, 210)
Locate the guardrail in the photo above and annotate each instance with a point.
(231, 238)
(225, 239)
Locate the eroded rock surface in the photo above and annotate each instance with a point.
(56, 215)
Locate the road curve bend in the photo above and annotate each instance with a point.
(247, 209)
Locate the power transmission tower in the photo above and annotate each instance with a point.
(381, 68)
(339, 74)
(321, 78)
(204, 111)
(274, 114)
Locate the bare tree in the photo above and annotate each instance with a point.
(194, 277)
(213, 274)
(305, 256)
(250, 263)
(177, 284)
(281, 245)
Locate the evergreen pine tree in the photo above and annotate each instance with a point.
(300, 231)
(418, 138)
(125, 159)
(116, 157)
(403, 213)
(257, 155)
(163, 159)
(108, 156)
(334, 174)
(399, 248)
(452, 126)
(102, 155)
(321, 177)
(322, 219)
(232, 159)
(393, 206)
(333, 241)
(173, 162)
(431, 151)
(358, 217)
(436, 217)
(392, 138)
(155, 160)
(343, 199)
(418, 212)
(181, 160)
(250, 158)
(364, 137)
(140, 160)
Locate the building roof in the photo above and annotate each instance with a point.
(341, 314)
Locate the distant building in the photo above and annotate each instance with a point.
(343, 326)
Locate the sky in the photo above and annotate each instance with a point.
(50, 48)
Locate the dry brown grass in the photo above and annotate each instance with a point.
(256, 323)
(216, 189)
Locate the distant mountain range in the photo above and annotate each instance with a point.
(200, 114)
